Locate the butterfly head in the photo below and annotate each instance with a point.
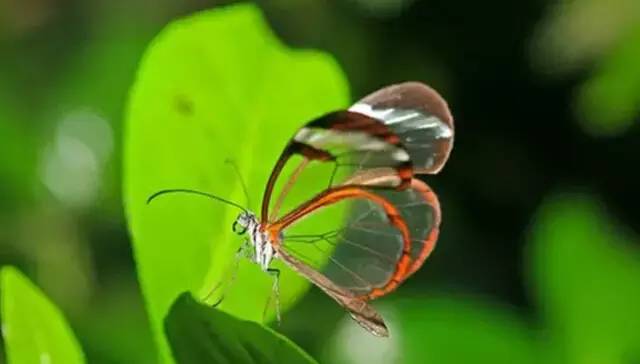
(243, 222)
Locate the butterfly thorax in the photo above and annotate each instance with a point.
(263, 251)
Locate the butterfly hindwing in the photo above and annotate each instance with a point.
(385, 237)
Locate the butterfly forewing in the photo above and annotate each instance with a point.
(398, 131)
(330, 150)
(419, 116)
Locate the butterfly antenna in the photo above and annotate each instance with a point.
(239, 176)
(193, 192)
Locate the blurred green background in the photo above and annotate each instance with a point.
(538, 259)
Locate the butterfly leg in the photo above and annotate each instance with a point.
(240, 253)
(275, 291)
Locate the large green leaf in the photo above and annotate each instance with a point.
(201, 334)
(213, 86)
(587, 270)
(34, 330)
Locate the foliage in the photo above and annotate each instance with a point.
(201, 334)
(610, 101)
(601, 32)
(585, 267)
(211, 87)
(33, 329)
(219, 85)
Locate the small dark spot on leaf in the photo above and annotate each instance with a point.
(184, 105)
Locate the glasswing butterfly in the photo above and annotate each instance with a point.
(372, 153)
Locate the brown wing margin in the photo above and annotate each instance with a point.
(358, 133)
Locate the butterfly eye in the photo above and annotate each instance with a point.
(238, 228)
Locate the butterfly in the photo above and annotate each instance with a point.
(386, 220)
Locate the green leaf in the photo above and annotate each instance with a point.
(571, 35)
(213, 86)
(609, 103)
(201, 334)
(34, 330)
(451, 330)
(587, 270)
(440, 330)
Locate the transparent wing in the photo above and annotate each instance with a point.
(385, 238)
(419, 116)
(331, 149)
